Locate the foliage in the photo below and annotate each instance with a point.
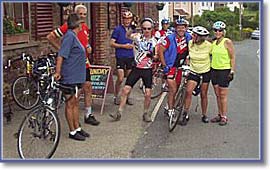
(251, 6)
(11, 27)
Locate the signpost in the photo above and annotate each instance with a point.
(100, 79)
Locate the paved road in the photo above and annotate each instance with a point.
(238, 140)
(131, 138)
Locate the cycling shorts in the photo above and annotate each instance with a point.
(124, 63)
(220, 77)
(136, 74)
(206, 77)
(175, 74)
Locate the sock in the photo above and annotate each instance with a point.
(78, 129)
(145, 110)
(73, 132)
(89, 111)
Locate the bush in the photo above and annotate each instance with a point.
(11, 27)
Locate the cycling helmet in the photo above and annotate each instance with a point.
(200, 31)
(149, 20)
(219, 25)
(127, 14)
(164, 21)
(180, 22)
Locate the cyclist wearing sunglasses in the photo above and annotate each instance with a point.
(199, 60)
(173, 52)
(83, 37)
(144, 52)
(222, 70)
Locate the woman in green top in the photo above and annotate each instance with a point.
(199, 53)
(223, 68)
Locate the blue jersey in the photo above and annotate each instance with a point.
(73, 66)
(119, 34)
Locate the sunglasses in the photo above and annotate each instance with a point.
(83, 14)
(146, 28)
(218, 30)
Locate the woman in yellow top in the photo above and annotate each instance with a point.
(223, 68)
(199, 53)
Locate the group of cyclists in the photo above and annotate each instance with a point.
(135, 52)
(209, 60)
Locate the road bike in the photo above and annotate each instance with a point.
(39, 132)
(173, 117)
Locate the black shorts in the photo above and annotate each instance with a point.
(88, 76)
(124, 63)
(206, 77)
(136, 74)
(72, 88)
(220, 77)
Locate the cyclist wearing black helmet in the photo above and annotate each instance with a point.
(199, 76)
(173, 52)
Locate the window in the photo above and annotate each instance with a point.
(18, 12)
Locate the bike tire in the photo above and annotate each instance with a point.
(173, 120)
(156, 86)
(25, 92)
(39, 134)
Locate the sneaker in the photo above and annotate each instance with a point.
(216, 119)
(147, 117)
(91, 120)
(205, 119)
(129, 101)
(116, 116)
(77, 136)
(223, 121)
(116, 100)
(83, 133)
(185, 119)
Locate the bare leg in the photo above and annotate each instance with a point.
(87, 89)
(217, 92)
(120, 78)
(147, 99)
(126, 90)
(188, 98)
(204, 97)
(172, 92)
(223, 100)
(69, 112)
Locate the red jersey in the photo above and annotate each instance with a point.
(83, 37)
(182, 45)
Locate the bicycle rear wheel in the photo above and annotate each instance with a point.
(179, 104)
(25, 92)
(39, 134)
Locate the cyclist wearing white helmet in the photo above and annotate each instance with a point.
(222, 70)
(173, 51)
(199, 76)
(123, 53)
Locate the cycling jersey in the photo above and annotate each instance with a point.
(142, 49)
(119, 34)
(83, 36)
(175, 48)
(220, 56)
(162, 33)
(199, 57)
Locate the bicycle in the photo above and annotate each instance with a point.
(27, 90)
(173, 117)
(39, 132)
(159, 84)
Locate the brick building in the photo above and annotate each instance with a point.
(41, 18)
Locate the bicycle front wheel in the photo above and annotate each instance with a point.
(25, 92)
(179, 104)
(39, 134)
